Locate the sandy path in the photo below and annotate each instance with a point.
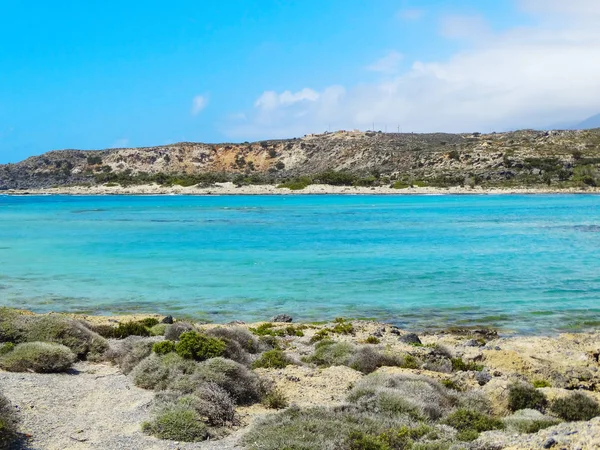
(95, 408)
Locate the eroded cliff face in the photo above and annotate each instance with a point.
(517, 158)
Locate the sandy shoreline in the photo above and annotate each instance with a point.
(315, 189)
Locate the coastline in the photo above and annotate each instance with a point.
(315, 189)
(105, 407)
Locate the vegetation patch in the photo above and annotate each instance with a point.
(41, 357)
(272, 359)
(275, 399)
(8, 424)
(177, 423)
(193, 345)
(470, 423)
(576, 407)
(524, 396)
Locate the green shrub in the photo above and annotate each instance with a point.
(8, 424)
(163, 347)
(272, 359)
(470, 423)
(158, 329)
(575, 407)
(240, 382)
(451, 384)
(42, 357)
(368, 360)
(523, 396)
(240, 335)
(275, 399)
(329, 353)
(163, 372)
(177, 423)
(372, 340)
(126, 329)
(541, 384)
(529, 421)
(342, 327)
(320, 335)
(357, 440)
(400, 185)
(149, 322)
(267, 329)
(459, 365)
(395, 395)
(297, 184)
(193, 345)
(7, 347)
(18, 328)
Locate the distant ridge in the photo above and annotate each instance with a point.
(589, 123)
(513, 159)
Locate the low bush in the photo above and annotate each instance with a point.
(127, 329)
(7, 347)
(576, 407)
(340, 427)
(372, 340)
(17, 328)
(297, 184)
(267, 329)
(272, 359)
(529, 421)
(329, 353)
(128, 352)
(175, 330)
(8, 424)
(368, 360)
(177, 423)
(159, 329)
(169, 371)
(470, 423)
(163, 347)
(541, 384)
(275, 399)
(215, 403)
(416, 396)
(193, 345)
(342, 326)
(42, 357)
(458, 365)
(524, 396)
(240, 382)
(240, 335)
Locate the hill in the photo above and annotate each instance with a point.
(520, 158)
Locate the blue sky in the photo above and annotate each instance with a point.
(94, 74)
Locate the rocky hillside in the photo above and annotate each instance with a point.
(522, 158)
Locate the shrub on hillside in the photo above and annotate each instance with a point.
(241, 383)
(7, 347)
(169, 371)
(576, 407)
(416, 396)
(272, 359)
(275, 399)
(128, 352)
(470, 423)
(8, 423)
(320, 428)
(42, 357)
(18, 328)
(163, 347)
(177, 423)
(368, 360)
(240, 343)
(159, 329)
(524, 396)
(174, 331)
(193, 345)
(330, 353)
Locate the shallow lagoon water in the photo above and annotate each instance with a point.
(524, 263)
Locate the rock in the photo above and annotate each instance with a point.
(282, 318)
(472, 343)
(550, 443)
(410, 338)
(237, 322)
(395, 331)
(168, 320)
(483, 377)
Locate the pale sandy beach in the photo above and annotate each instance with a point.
(315, 189)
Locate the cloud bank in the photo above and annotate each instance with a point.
(527, 77)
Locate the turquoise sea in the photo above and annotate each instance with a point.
(524, 263)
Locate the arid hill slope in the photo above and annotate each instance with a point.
(521, 158)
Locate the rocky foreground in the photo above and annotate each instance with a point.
(96, 405)
(521, 159)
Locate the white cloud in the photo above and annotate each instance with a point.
(389, 64)
(533, 76)
(199, 102)
(410, 15)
